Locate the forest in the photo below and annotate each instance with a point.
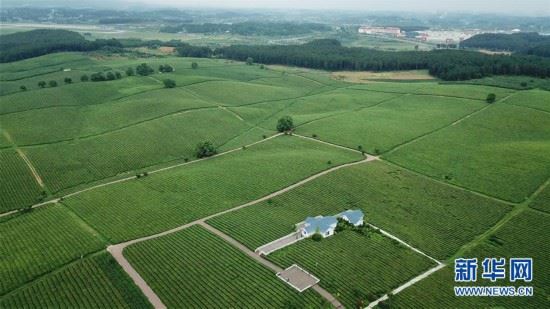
(525, 43)
(328, 54)
(249, 28)
(34, 43)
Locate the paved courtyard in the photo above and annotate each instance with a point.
(298, 278)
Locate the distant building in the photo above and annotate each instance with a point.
(394, 31)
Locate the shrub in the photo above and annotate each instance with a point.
(317, 237)
(249, 61)
(314, 135)
(205, 149)
(41, 84)
(52, 83)
(68, 80)
(166, 68)
(144, 69)
(194, 65)
(169, 83)
(84, 78)
(118, 75)
(130, 72)
(97, 77)
(329, 162)
(285, 124)
(110, 76)
(523, 84)
(23, 87)
(491, 97)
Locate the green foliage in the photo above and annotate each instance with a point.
(52, 83)
(166, 68)
(17, 185)
(68, 80)
(93, 282)
(130, 72)
(144, 69)
(317, 237)
(491, 97)
(527, 43)
(41, 84)
(249, 61)
(194, 65)
(23, 87)
(84, 78)
(205, 149)
(169, 83)
(210, 264)
(285, 124)
(350, 265)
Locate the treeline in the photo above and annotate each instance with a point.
(249, 28)
(525, 43)
(34, 43)
(330, 55)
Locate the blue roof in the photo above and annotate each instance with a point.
(354, 216)
(320, 224)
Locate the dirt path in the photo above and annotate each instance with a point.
(117, 250)
(24, 157)
(267, 263)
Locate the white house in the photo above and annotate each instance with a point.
(322, 225)
(354, 217)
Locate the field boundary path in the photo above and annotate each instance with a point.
(117, 250)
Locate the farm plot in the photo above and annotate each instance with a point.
(78, 94)
(195, 269)
(18, 188)
(416, 209)
(37, 126)
(542, 201)
(355, 268)
(93, 282)
(148, 143)
(19, 70)
(537, 99)
(503, 151)
(523, 236)
(233, 93)
(380, 128)
(41, 241)
(165, 200)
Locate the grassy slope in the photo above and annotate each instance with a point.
(41, 241)
(195, 269)
(165, 200)
(523, 236)
(502, 151)
(416, 209)
(542, 201)
(93, 282)
(391, 123)
(18, 188)
(537, 99)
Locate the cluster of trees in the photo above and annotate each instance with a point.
(187, 50)
(250, 28)
(526, 43)
(166, 68)
(101, 77)
(23, 45)
(329, 54)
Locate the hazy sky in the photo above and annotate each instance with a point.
(511, 7)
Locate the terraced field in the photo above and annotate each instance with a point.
(36, 243)
(523, 236)
(187, 267)
(93, 282)
(357, 268)
(502, 151)
(165, 200)
(389, 197)
(18, 188)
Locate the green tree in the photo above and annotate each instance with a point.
(144, 69)
(130, 72)
(194, 65)
(110, 76)
(52, 83)
(41, 84)
(205, 149)
(23, 87)
(118, 75)
(285, 124)
(317, 236)
(84, 78)
(169, 83)
(68, 80)
(166, 68)
(249, 60)
(491, 97)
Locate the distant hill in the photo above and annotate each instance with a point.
(28, 44)
(525, 43)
